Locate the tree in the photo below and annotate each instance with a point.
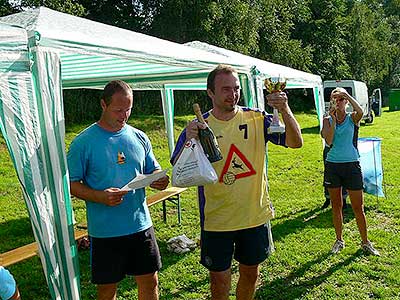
(279, 40)
(392, 12)
(72, 7)
(133, 15)
(6, 8)
(230, 24)
(325, 33)
(370, 49)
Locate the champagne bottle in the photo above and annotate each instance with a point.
(207, 138)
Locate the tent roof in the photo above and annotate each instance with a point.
(92, 52)
(294, 77)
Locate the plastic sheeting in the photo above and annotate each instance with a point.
(371, 165)
(32, 124)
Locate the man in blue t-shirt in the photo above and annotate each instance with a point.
(101, 160)
(8, 287)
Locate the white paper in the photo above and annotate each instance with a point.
(143, 180)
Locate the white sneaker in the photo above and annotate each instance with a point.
(337, 246)
(368, 248)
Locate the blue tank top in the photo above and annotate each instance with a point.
(344, 145)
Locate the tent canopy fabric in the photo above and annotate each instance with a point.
(42, 52)
(295, 78)
(90, 50)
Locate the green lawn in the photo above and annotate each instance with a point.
(301, 267)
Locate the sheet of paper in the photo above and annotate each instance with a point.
(143, 180)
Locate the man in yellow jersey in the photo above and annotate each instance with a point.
(234, 211)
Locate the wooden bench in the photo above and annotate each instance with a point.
(171, 194)
(19, 254)
(28, 251)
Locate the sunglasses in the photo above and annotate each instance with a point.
(338, 99)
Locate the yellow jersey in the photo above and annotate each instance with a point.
(239, 199)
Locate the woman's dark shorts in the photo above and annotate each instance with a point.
(247, 246)
(134, 254)
(347, 175)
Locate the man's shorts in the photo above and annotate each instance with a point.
(347, 175)
(134, 254)
(247, 246)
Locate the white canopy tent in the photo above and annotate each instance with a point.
(42, 52)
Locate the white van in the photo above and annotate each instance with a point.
(359, 91)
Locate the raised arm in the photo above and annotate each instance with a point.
(357, 113)
(328, 128)
(279, 101)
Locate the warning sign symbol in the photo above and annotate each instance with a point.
(236, 166)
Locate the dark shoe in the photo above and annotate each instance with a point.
(345, 206)
(326, 204)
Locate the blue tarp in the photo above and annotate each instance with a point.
(371, 165)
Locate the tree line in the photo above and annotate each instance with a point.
(336, 39)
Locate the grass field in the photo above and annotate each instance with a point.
(302, 266)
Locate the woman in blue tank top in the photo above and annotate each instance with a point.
(342, 168)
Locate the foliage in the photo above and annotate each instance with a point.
(73, 7)
(131, 15)
(6, 8)
(370, 50)
(301, 267)
(231, 24)
(279, 41)
(326, 34)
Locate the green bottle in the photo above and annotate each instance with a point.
(207, 138)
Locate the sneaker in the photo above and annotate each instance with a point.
(369, 249)
(337, 246)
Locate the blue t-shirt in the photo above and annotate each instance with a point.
(7, 284)
(344, 144)
(102, 159)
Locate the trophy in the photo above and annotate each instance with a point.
(275, 84)
(332, 105)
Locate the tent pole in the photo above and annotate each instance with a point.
(167, 98)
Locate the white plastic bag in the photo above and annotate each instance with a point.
(180, 244)
(193, 168)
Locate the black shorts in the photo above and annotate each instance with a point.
(347, 175)
(247, 246)
(134, 254)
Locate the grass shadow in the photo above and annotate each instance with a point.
(310, 130)
(317, 218)
(300, 220)
(294, 285)
(15, 233)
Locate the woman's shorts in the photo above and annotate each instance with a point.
(347, 175)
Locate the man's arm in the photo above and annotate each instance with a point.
(110, 196)
(161, 183)
(191, 131)
(279, 101)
